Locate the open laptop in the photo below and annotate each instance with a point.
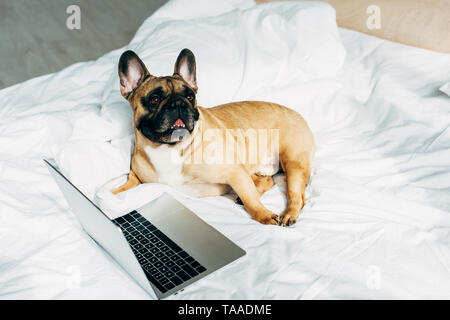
(163, 245)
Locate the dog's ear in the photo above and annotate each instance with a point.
(131, 72)
(186, 68)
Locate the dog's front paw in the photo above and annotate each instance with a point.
(117, 190)
(288, 218)
(268, 218)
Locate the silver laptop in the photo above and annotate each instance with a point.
(163, 245)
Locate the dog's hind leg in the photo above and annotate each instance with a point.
(297, 177)
(262, 184)
(245, 188)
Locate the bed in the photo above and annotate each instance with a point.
(376, 223)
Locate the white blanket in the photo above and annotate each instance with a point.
(377, 219)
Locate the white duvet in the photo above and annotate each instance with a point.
(376, 223)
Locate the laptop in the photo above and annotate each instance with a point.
(163, 245)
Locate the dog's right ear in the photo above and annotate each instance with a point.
(131, 72)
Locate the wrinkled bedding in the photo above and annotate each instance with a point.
(376, 223)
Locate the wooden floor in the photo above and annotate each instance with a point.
(34, 39)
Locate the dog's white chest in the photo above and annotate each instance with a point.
(167, 163)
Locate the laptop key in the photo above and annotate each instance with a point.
(189, 259)
(153, 259)
(164, 259)
(201, 269)
(158, 264)
(163, 269)
(133, 242)
(153, 270)
(169, 285)
(189, 270)
(169, 253)
(148, 255)
(134, 213)
(175, 268)
(138, 246)
(175, 258)
(168, 274)
(170, 264)
(128, 217)
(163, 280)
(143, 250)
(183, 254)
(154, 250)
(120, 220)
(180, 262)
(177, 281)
(144, 241)
(183, 275)
(142, 261)
(147, 266)
(195, 264)
(135, 224)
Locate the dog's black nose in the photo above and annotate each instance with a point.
(176, 103)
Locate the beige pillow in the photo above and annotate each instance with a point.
(420, 23)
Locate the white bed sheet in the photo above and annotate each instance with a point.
(377, 219)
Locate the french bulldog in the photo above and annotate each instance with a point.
(209, 151)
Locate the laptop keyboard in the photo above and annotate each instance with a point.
(165, 264)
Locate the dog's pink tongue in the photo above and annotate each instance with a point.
(179, 123)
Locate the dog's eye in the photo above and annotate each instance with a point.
(190, 97)
(155, 100)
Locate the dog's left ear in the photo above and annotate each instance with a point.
(186, 68)
(131, 72)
